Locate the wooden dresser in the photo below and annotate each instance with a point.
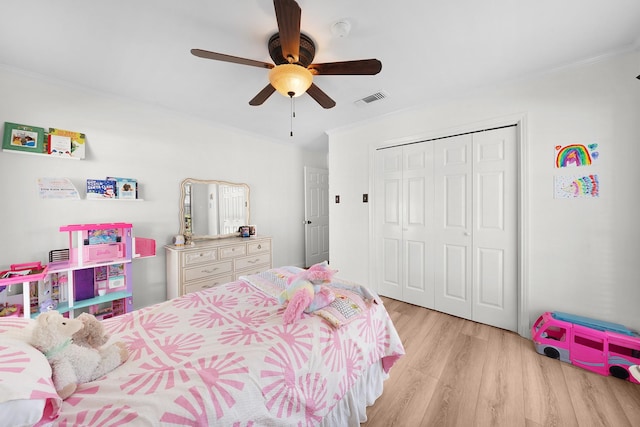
(209, 263)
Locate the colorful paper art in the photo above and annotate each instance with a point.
(575, 187)
(576, 155)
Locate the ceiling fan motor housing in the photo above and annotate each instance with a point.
(306, 55)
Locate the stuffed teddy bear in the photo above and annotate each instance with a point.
(305, 292)
(92, 335)
(72, 364)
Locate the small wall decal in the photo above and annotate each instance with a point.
(576, 155)
(576, 187)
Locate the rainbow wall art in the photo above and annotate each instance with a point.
(572, 187)
(575, 155)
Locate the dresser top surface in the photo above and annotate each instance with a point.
(206, 243)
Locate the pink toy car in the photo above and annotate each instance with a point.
(602, 347)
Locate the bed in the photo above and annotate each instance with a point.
(221, 357)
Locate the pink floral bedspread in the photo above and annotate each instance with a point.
(223, 357)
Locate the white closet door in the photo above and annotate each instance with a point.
(476, 230)
(495, 274)
(453, 225)
(404, 213)
(417, 230)
(388, 227)
(446, 225)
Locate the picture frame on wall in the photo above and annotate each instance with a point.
(23, 138)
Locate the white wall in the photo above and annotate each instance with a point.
(582, 255)
(159, 148)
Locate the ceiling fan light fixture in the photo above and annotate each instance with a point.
(290, 78)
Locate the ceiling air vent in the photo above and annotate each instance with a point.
(371, 98)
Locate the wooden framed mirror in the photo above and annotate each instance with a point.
(211, 209)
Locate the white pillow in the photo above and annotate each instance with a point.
(21, 412)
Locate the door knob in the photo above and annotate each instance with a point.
(307, 222)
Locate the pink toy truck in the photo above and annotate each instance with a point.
(602, 347)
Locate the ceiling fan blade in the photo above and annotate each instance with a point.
(320, 97)
(358, 67)
(288, 16)
(228, 58)
(262, 95)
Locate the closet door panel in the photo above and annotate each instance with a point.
(415, 266)
(455, 195)
(489, 275)
(388, 211)
(495, 229)
(391, 268)
(417, 177)
(453, 177)
(415, 202)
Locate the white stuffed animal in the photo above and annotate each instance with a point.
(70, 363)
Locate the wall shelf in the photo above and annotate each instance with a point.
(4, 150)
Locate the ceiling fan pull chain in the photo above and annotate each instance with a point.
(293, 113)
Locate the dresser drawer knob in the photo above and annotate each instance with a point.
(259, 246)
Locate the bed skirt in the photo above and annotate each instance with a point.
(352, 409)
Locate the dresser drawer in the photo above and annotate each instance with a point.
(197, 257)
(206, 284)
(251, 261)
(207, 270)
(232, 251)
(259, 247)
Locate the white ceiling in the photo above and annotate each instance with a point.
(430, 50)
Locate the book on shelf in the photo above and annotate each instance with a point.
(126, 188)
(59, 145)
(101, 189)
(67, 143)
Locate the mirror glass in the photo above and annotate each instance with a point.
(211, 209)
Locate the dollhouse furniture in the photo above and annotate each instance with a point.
(98, 272)
(208, 263)
(19, 275)
(94, 275)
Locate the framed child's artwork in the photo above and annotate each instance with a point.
(23, 138)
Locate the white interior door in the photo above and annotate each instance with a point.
(316, 212)
(231, 208)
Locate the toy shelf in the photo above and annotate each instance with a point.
(101, 299)
(93, 276)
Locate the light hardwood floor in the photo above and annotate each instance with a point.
(461, 373)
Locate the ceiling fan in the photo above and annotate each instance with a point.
(293, 53)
